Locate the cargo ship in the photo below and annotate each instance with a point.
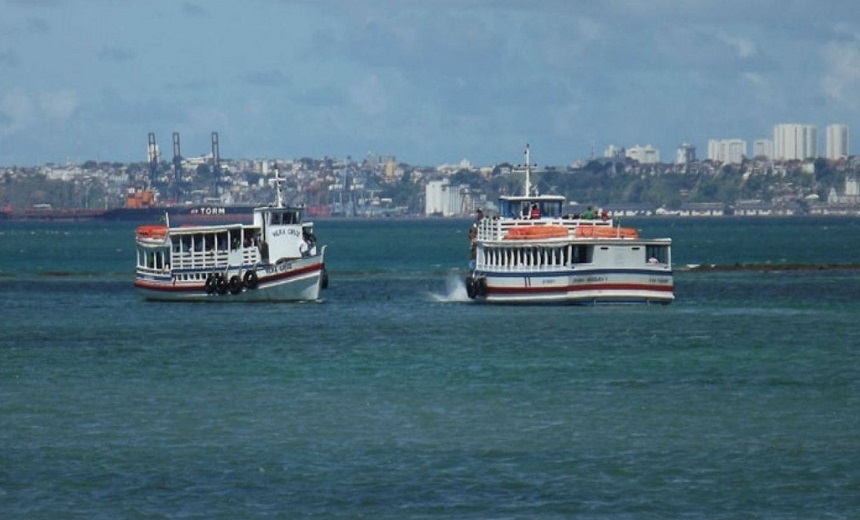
(142, 206)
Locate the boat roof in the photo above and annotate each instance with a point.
(523, 198)
(190, 230)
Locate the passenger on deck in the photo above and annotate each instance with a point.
(473, 235)
(308, 247)
(535, 212)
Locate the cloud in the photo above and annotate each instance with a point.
(9, 59)
(194, 10)
(17, 111)
(116, 54)
(266, 78)
(743, 46)
(38, 26)
(20, 111)
(841, 72)
(59, 105)
(369, 96)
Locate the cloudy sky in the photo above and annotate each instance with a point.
(428, 81)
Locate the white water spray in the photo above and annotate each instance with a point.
(455, 290)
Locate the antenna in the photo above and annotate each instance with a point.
(280, 196)
(152, 155)
(528, 187)
(177, 166)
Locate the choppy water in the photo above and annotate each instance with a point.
(395, 398)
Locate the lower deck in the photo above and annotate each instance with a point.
(580, 271)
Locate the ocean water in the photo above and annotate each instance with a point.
(397, 398)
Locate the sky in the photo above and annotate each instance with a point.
(429, 82)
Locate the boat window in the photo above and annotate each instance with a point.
(550, 209)
(657, 254)
(583, 254)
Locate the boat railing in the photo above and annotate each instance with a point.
(199, 259)
(524, 259)
(492, 229)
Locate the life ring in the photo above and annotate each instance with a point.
(235, 284)
(251, 279)
(470, 288)
(481, 286)
(211, 284)
(223, 286)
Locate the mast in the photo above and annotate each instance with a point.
(528, 187)
(280, 196)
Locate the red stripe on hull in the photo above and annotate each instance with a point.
(172, 287)
(575, 288)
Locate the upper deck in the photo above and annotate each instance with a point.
(492, 229)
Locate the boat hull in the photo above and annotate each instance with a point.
(582, 287)
(291, 280)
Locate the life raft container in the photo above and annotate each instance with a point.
(151, 232)
(536, 232)
(605, 232)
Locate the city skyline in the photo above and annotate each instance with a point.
(429, 82)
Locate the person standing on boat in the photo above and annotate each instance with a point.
(589, 214)
(535, 213)
(473, 236)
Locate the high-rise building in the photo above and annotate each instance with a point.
(793, 141)
(837, 141)
(731, 151)
(686, 154)
(763, 148)
(644, 154)
(443, 199)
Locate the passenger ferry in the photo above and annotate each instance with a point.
(532, 252)
(275, 258)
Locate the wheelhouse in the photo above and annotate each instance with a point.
(547, 206)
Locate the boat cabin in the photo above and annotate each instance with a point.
(564, 255)
(277, 234)
(519, 207)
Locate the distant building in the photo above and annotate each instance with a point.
(443, 199)
(763, 148)
(837, 141)
(730, 151)
(795, 142)
(612, 152)
(686, 154)
(644, 154)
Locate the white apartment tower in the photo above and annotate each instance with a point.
(686, 154)
(443, 199)
(763, 148)
(792, 141)
(730, 151)
(837, 141)
(644, 154)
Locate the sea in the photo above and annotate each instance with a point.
(395, 397)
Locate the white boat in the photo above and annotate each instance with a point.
(532, 252)
(275, 258)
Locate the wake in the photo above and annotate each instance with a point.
(455, 291)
